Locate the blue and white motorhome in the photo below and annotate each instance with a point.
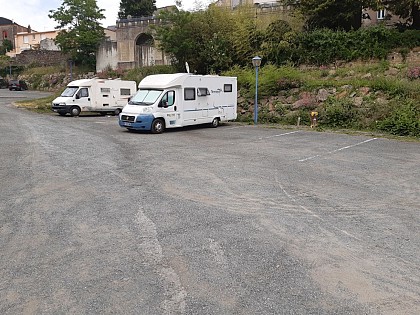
(181, 99)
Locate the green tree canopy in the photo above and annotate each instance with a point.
(5, 46)
(80, 32)
(136, 8)
(4, 61)
(332, 14)
(210, 40)
(407, 9)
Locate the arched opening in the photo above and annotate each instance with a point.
(144, 50)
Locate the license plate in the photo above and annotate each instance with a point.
(127, 124)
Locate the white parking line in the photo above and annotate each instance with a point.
(279, 135)
(233, 127)
(340, 149)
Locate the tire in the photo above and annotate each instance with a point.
(158, 126)
(62, 113)
(215, 122)
(75, 111)
(117, 111)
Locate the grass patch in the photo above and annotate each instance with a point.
(41, 105)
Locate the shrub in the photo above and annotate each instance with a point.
(403, 121)
(337, 113)
(139, 74)
(413, 73)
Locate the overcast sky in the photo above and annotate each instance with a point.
(35, 12)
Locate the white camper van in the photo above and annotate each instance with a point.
(181, 99)
(94, 95)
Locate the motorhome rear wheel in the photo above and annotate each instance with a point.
(215, 122)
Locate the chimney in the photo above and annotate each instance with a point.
(29, 29)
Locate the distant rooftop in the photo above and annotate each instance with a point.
(4, 21)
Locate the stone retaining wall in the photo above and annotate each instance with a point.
(41, 58)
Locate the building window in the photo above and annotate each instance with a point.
(25, 39)
(4, 34)
(381, 14)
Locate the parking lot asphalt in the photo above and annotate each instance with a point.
(237, 219)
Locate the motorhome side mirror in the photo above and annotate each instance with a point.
(163, 103)
(77, 96)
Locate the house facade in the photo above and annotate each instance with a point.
(31, 40)
(8, 30)
(383, 16)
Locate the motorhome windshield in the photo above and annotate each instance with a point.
(145, 97)
(69, 91)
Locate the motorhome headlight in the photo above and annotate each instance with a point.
(62, 104)
(147, 110)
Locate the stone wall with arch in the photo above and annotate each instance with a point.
(135, 46)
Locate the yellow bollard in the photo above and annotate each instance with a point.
(314, 117)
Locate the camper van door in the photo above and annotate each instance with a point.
(169, 107)
(83, 98)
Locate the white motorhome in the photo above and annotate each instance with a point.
(180, 99)
(94, 95)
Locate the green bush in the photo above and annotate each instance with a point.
(403, 120)
(139, 74)
(337, 113)
(326, 46)
(267, 117)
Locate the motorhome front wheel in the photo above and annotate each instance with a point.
(158, 126)
(75, 111)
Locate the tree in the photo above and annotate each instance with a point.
(407, 9)
(333, 14)
(83, 33)
(5, 46)
(211, 40)
(136, 8)
(276, 47)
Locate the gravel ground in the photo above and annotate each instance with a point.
(234, 220)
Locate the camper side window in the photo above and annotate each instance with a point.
(227, 88)
(203, 92)
(83, 93)
(189, 94)
(125, 91)
(168, 99)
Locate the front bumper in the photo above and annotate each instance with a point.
(61, 108)
(139, 122)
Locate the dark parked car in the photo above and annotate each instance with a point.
(17, 85)
(3, 83)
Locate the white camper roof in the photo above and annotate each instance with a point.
(163, 81)
(82, 82)
(89, 82)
